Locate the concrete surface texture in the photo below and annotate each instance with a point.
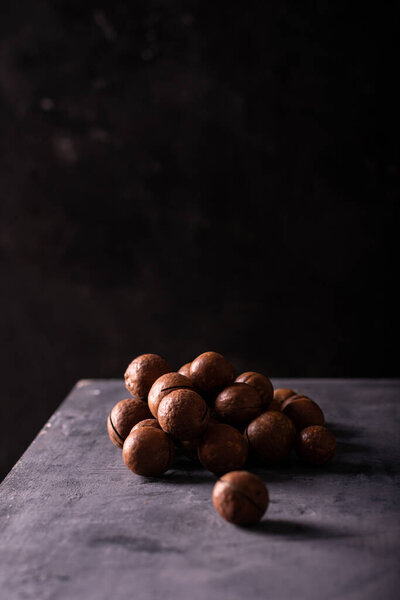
(75, 523)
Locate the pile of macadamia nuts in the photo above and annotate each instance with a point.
(218, 420)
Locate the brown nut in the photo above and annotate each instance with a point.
(185, 369)
(261, 383)
(240, 497)
(303, 411)
(282, 394)
(189, 448)
(123, 417)
(271, 436)
(183, 414)
(163, 386)
(210, 373)
(142, 373)
(146, 423)
(238, 404)
(316, 445)
(222, 448)
(274, 405)
(148, 451)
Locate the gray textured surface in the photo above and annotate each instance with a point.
(75, 523)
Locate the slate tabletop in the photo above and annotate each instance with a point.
(76, 523)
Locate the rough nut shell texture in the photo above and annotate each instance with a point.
(210, 373)
(259, 382)
(303, 411)
(316, 445)
(146, 423)
(163, 386)
(240, 497)
(124, 415)
(271, 436)
(222, 448)
(282, 394)
(238, 404)
(148, 451)
(183, 414)
(142, 373)
(185, 370)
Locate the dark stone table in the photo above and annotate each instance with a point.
(76, 524)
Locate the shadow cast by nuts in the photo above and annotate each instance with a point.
(353, 448)
(293, 529)
(181, 477)
(342, 430)
(340, 467)
(183, 463)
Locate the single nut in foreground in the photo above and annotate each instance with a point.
(238, 404)
(185, 369)
(303, 411)
(163, 386)
(222, 448)
(240, 497)
(183, 414)
(261, 383)
(316, 445)
(148, 451)
(210, 373)
(123, 416)
(146, 423)
(142, 373)
(271, 436)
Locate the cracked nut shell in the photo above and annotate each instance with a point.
(240, 497)
(222, 448)
(123, 416)
(142, 373)
(146, 423)
(148, 451)
(261, 383)
(163, 386)
(271, 436)
(210, 373)
(238, 404)
(316, 445)
(303, 411)
(282, 394)
(183, 414)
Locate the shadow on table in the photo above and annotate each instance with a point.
(352, 458)
(181, 477)
(292, 529)
(185, 470)
(352, 448)
(342, 430)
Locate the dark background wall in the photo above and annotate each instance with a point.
(183, 176)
